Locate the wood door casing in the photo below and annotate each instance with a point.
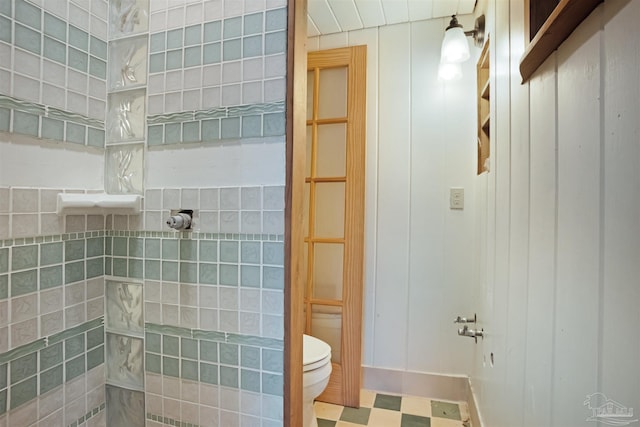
(344, 384)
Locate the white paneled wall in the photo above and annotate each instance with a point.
(558, 222)
(419, 263)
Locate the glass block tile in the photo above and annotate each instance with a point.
(78, 59)
(275, 42)
(156, 62)
(230, 128)
(276, 19)
(253, 23)
(126, 116)
(25, 123)
(232, 27)
(174, 59)
(192, 56)
(232, 49)
(212, 31)
(27, 13)
(98, 48)
(51, 379)
(97, 67)
(75, 133)
(157, 42)
(155, 134)
(5, 29)
(78, 38)
(211, 53)
(252, 46)
(23, 392)
(174, 39)
(27, 38)
(193, 35)
(55, 27)
(95, 137)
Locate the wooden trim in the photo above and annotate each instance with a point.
(560, 24)
(294, 210)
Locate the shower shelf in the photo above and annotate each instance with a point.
(99, 203)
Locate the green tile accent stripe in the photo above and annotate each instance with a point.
(231, 360)
(216, 124)
(195, 235)
(47, 122)
(42, 365)
(169, 421)
(86, 417)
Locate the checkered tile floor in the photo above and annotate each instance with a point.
(385, 410)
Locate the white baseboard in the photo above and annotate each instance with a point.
(434, 386)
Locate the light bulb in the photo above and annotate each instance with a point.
(455, 48)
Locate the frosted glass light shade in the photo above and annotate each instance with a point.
(449, 71)
(455, 48)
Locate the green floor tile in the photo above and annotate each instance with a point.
(445, 410)
(326, 423)
(356, 416)
(385, 401)
(409, 420)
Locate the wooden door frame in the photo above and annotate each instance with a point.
(294, 276)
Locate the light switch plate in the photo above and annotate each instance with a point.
(456, 198)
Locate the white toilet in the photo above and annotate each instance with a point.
(316, 365)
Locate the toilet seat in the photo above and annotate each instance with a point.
(316, 353)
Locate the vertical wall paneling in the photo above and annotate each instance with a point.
(426, 275)
(542, 241)
(619, 372)
(369, 37)
(393, 188)
(516, 341)
(579, 198)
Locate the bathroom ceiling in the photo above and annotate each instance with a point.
(334, 16)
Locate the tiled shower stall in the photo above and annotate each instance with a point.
(110, 318)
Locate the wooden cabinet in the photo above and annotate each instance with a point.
(484, 109)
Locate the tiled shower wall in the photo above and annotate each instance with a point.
(213, 297)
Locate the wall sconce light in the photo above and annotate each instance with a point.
(455, 48)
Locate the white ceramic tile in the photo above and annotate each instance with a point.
(97, 109)
(97, 88)
(78, 17)
(170, 314)
(76, 81)
(156, 104)
(228, 321)
(211, 75)
(26, 63)
(26, 88)
(51, 224)
(53, 73)
(156, 84)
(99, 28)
(189, 198)
(274, 90)
(23, 332)
(232, 8)
(173, 80)
(5, 81)
(212, 10)
(229, 222)
(77, 102)
(175, 17)
(100, 8)
(250, 222)
(152, 312)
(231, 95)
(171, 198)
(252, 93)
(75, 223)
(4, 313)
(274, 198)
(194, 13)
(173, 102)
(5, 56)
(51, 323)
(158, 21)
(56, 7)
(191, 100)
(157, 5)
(275, 66)
(253, 6)
(153, 221)
(211, 97)
(208, 222)
(273, 222)
(53, 96)
(209, 198)
(192, 78)
(73, 316)
(231, 72)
